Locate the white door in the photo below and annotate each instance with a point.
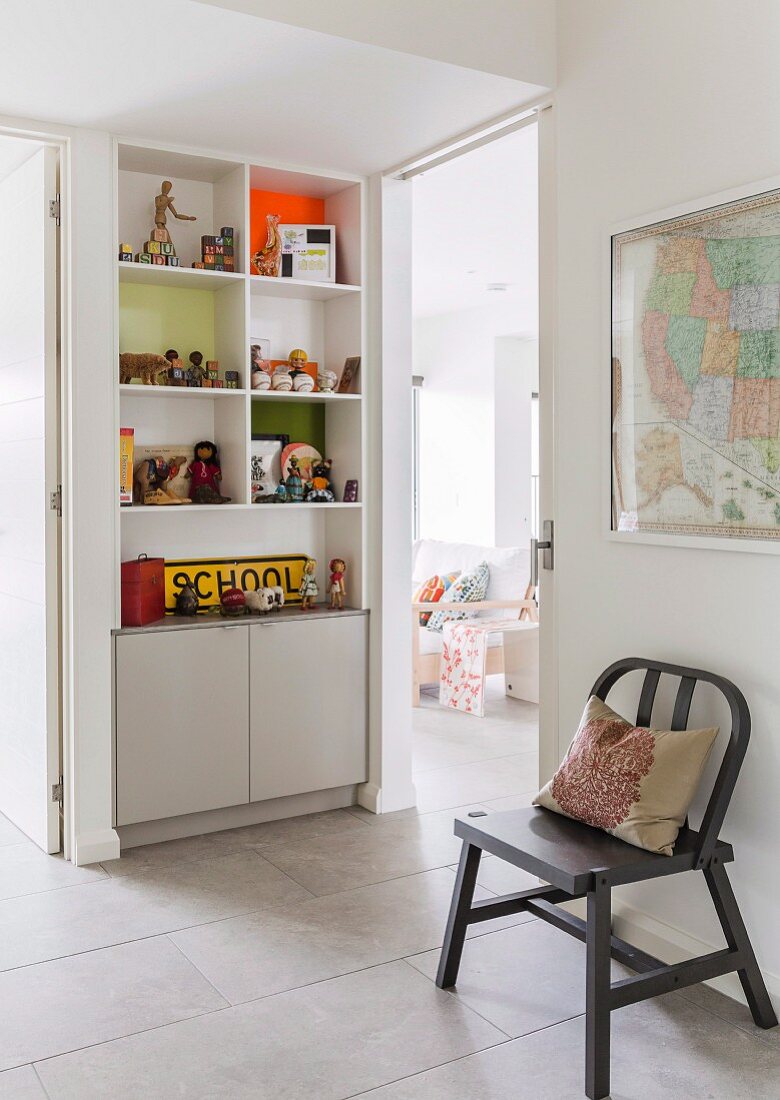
(29, 528)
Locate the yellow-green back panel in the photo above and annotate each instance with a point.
(155, 318)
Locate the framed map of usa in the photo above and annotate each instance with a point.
(695, 338)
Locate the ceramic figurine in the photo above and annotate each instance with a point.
(145, 365)
(268, 259)
(233, 603)
(326, 381)
(281, 379)
(318, 490)
(296, 362)
(293, 483)
(162, 204)
(308, 590)
(152, 478)
(187, 602)
(338, 589)
(205, 474)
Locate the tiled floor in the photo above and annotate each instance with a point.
(295, 961)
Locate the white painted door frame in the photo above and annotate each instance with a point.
(390, 785)
(59, 736)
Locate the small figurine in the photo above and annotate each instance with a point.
(233, 603)
(162, 204)
(318, 489)
(268, 259)
(308, 590)
(280, 496)
(297, 360)
(187, 602)
(145, 365)
(197, 372)
(205, 474)
(326, 381)
(338, 590)
(294, 483)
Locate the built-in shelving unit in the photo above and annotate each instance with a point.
(220, 314)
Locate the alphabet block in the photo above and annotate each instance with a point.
(206, 384)
(159, 235)
(227, 231)
(172, 261)
(198, 264)
(158, 259)
(125, 256)
(143, 257)
(153, 247)
(166, 248)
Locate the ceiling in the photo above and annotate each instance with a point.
(476, 223)
(188, 73)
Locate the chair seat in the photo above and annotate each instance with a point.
(566, 853)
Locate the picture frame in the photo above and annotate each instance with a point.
(308, 252)
(265, 464)
(259, 353)
(349, 374)
(687, 410)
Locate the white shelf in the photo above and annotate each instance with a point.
(180, 509)
(299, 288)
(312, 398)
(130, 390)
(192, 278)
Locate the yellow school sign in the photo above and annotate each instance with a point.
(210, 577)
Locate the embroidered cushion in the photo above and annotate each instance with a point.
(469, 587)
(431, 591)
(632, 782)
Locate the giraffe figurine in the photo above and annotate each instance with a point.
(268, 259)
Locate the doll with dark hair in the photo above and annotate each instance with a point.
(205, 475)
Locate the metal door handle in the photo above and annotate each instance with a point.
(544, 544)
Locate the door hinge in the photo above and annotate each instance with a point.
(55, 500)
(56, 791)
(54, 209)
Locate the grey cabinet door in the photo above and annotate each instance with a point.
(182, 722)
(307, 705)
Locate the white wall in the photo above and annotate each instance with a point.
(456, 355)
(516, 380)
(658, 104)
(23, 771)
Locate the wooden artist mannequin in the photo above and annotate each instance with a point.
(162, 204)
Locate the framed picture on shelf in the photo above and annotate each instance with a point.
(308, 252)
(349, 374)
(265, 464)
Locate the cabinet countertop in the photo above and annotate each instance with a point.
(207, 621)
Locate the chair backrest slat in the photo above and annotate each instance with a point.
(644, 712)
(739, 735)
(682, 704)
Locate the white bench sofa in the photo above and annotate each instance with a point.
(509, 596)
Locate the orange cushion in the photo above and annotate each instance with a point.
(432, 590)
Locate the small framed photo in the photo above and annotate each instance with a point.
(348, 380)
(265, 465)
(350, 491)
(259, 352)
(308, 252)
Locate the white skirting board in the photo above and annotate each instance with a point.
(96, 846)
(234, 817)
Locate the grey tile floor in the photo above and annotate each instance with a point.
(295, 961)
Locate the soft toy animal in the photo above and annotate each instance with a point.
(260, 601)
(143, 365)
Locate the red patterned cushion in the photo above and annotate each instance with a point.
(633, 782)
(431, 591)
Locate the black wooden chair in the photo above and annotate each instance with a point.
(579, 861)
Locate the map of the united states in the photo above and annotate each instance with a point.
(699, 375)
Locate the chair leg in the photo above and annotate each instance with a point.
(457, 922)
(597, 999)
(736, 936)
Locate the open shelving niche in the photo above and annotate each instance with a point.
(217, 313)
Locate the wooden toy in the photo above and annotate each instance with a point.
(227, 231)
(205, 475)
(338, 589)
(158, 259)
(199, 265)
(126, 256)
(267, 260)
(231, 376)
(308, 590)
(125, 247)
(219, 384)
(212, 366)
(163, 203)
(166, 248)
(207, 384)
(172, 261)
(153, 247)
(146, 366)
(143, 257)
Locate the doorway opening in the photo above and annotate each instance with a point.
(30, 496)
(475, 298)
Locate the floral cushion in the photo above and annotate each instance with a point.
(467, 588)
(633, 782)
(431, 591)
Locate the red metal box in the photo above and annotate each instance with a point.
(143, 590)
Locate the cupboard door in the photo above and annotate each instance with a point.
(307, 706)
(182, 722)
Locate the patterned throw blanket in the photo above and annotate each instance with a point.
(464, 652)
